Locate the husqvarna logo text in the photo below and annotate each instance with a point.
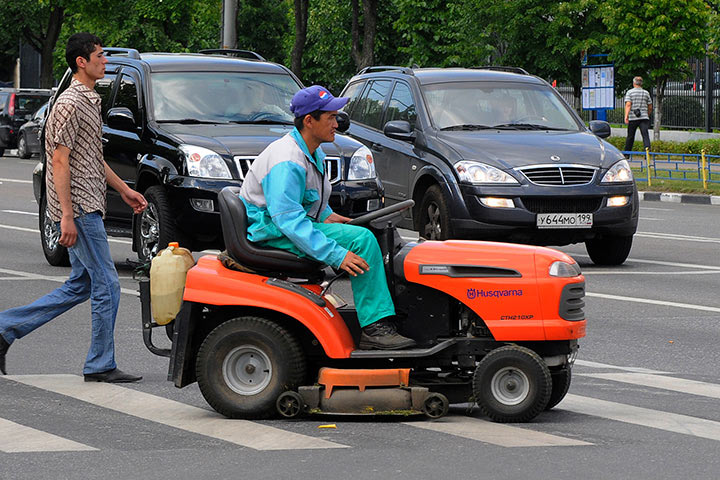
(473, 293)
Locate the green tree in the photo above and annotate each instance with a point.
(561, 32)
(441, 33)
(263, 26)
(656, 38)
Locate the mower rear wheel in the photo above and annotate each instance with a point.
(512, 384)
(290, 404)
(560, 386)
(244, 365)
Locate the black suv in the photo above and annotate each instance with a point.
(17, 107)
(494, 153)
(180, 127)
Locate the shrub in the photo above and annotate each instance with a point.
(682, 112)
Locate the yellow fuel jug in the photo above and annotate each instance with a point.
(167, 282)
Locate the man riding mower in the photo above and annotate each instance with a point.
(262, 333)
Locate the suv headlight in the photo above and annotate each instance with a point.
(620, 172)
(476, 172)
(362, 165)
(201, 162)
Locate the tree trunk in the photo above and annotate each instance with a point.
(364, 56)
(57, 16)
(657, 107)
(301, 19)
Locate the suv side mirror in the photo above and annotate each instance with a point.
(343, 121)
(600, 128)
(121, 118)
(399, 130)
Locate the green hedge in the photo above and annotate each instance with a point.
(711, 146)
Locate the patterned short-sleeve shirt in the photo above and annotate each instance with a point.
(75, 121)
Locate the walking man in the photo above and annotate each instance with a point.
(638, 107)
(76, 181)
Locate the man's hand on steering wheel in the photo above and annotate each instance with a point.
(354, 264)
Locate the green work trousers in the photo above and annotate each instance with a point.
(370, 289)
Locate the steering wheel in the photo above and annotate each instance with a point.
(530, 118)
(262, 116)
(369, 217)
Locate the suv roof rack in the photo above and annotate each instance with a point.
(117, 51)
(233, 51)
(385, 68)
(502, 68)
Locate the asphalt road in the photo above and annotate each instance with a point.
(644, 403)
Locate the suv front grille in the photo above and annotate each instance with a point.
(562, 205)
(332, 164)
(555, 175)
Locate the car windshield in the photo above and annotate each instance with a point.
(30, 103)
(492, 105)
(222, 97)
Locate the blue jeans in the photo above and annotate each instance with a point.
(93, 276)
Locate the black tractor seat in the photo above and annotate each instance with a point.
(271, 262)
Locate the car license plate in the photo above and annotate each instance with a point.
(564, 220)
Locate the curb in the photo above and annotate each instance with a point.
(680, 198)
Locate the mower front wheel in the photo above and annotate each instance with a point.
(512, 384)
(244, 365)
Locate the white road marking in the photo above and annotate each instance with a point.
(175, 414)
(587, 363)
(664, 303)
(659, 209)
(619, 272)
(57, 279)
(495, 433)
(674, 384)
(16, 438)
(13, 180)
(19, 212)
(33, 230)
(670, 422)
(673, 236)
(652, 219)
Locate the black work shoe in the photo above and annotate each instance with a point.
(112, 376)
(3, 350)
(382, 335)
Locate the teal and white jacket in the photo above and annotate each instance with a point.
(284, 192)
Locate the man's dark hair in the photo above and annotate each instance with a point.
(80, 45)
(299, 120)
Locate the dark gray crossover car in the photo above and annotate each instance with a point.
(494, 153)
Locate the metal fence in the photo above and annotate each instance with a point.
(684, 106)
(690, 167)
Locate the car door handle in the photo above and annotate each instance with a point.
(376, 147)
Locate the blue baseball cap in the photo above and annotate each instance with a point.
(314, 98)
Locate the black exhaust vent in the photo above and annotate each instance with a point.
(572, 303)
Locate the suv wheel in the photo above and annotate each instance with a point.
(609, 250)
(156, 226)
(433, 219)
(22, 150)
(55, 254)
(2, 152)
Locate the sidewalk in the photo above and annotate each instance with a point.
(671, 135)
(680, 198)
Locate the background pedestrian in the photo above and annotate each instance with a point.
(638, 107)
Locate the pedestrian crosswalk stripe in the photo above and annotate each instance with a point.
(16, 438)
(175, 414)
(681, 385)
(586, 363)
(496, 433)
(670, 422)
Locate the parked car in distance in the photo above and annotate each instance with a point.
(180, 127)
(17, 107)
(28, 142)
(494, 153)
